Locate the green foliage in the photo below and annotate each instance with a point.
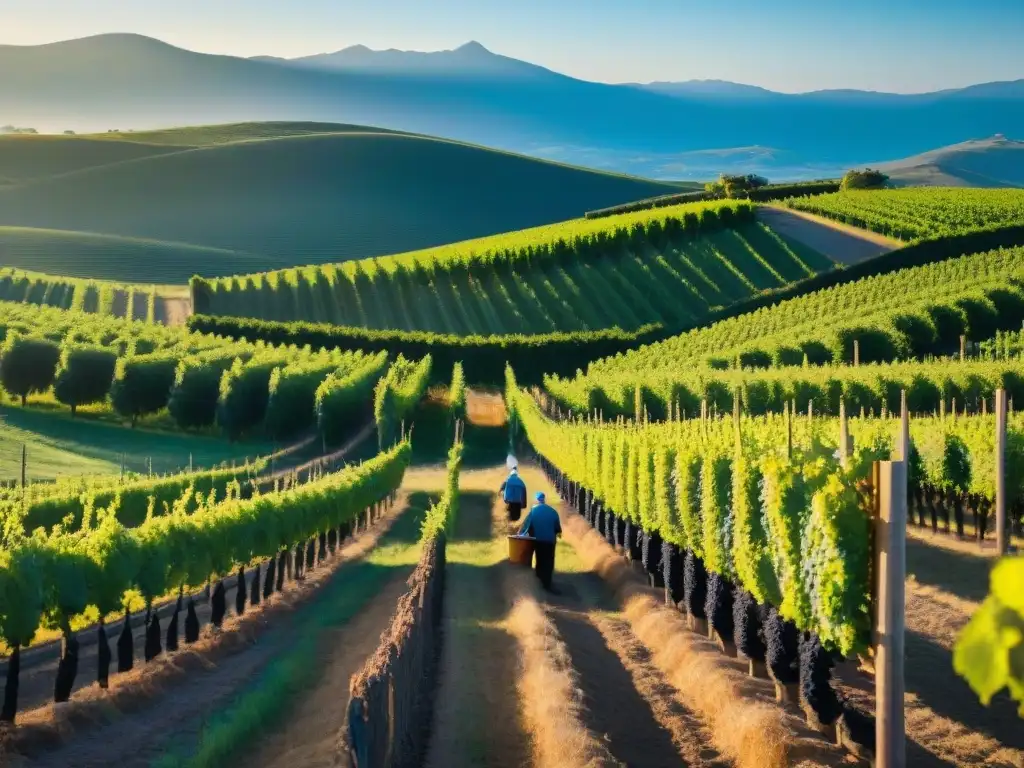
(865, 179)
(84, 375)
(342, 400)
(28, 365)
(142, 384)
(872, 387)
(484, 357)
(457, 393)
(163, 553)
(827, 317)
(989, 653)
(918, 213)
(397, 393)
(131, 502)
(440, 518)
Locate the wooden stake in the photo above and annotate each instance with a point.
(1002, 539)
(856, 352)
(844, 436)
(810, 409)
(963, 347)
(904, 443)
(24, 464)
(890, 728)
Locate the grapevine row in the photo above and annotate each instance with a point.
(910, 313)
(930, 386)
(48, 579)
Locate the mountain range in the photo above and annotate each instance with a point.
(686, 130)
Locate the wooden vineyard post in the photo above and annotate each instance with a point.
(24, 464)
(963, 348)
(890, 565)
(844, 436)
(1002, 539)
(856, 352)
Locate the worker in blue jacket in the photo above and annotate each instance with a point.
(513, 493)
(543, 525)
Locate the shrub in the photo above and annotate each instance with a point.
(84, 375)
(28, 365)
(142, 384)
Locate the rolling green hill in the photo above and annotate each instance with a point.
(668, 265)
(124, 259)
(300, 199)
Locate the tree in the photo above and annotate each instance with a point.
(866, 179)
(28, 365)
(84, 375)
(142, 384)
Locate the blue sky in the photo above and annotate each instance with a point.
(786, 45)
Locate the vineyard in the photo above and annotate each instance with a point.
(150, 303)
(789, 493)
(135, 371)
(931, 387)
(909, 313)
(913, 214)
(671, 266)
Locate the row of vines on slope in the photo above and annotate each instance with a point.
(199, 379)
(625, 272)
(906, 314)
(95, 297)
(50, 578)
(934, 386)
(912, 214)
(765, 539)
(390, 696)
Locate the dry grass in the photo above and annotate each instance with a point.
(548, 687)
(746, 726)
(485, 409)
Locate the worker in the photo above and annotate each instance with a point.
(543, 525)
(513, 492)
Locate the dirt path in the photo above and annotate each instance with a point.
(170, 700)
(476, 712)
(839, 242)
(644, 720)
(310, 736)
(170, 310)
(628, 700)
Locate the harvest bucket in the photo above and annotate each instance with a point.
(520, 550)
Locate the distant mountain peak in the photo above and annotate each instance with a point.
(473, 47)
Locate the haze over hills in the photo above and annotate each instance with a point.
(228, 199)
(472, 94)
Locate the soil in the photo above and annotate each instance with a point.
(837, 241)
(309, 737)
(628, 700)
(172, 310)
(476, 712)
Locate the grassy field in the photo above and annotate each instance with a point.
(535, 281)
(58, 445)
(276, 202)
(912, 214)
(121, 259)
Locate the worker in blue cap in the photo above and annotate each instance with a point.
(513, 492)
(543, 525)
